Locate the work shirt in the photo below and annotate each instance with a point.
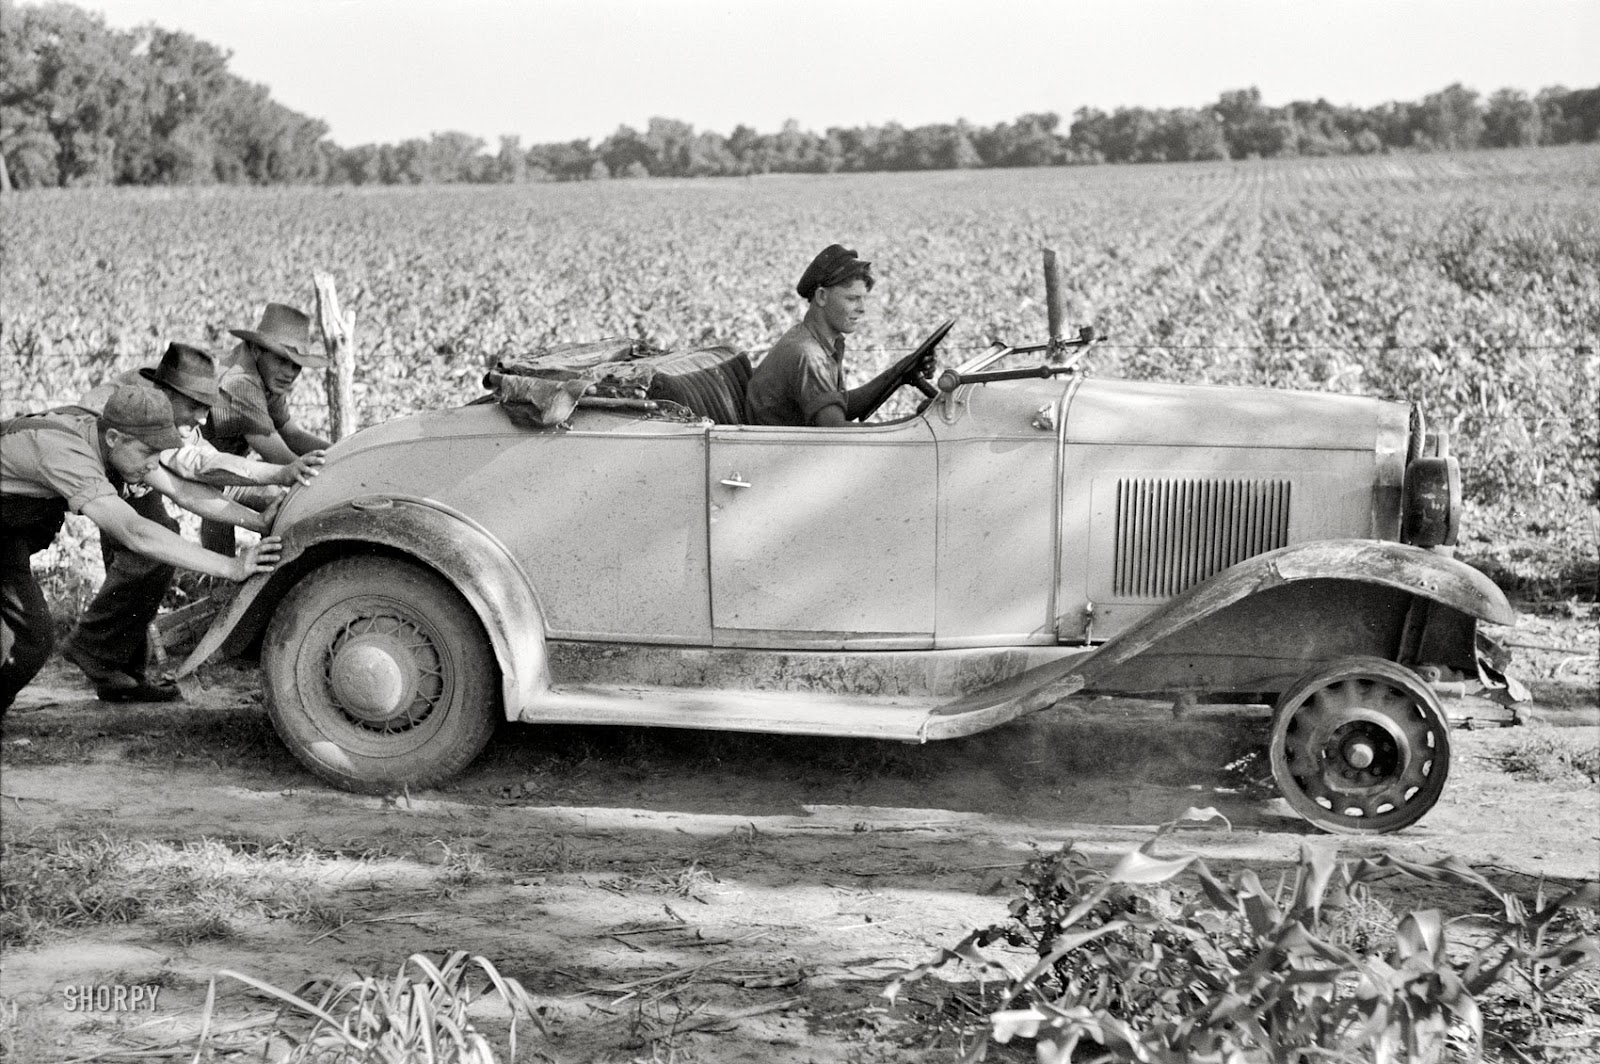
(197, 459)
(800, 376)
(243, 406)
(47, 463)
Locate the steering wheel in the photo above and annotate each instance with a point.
(905, 371)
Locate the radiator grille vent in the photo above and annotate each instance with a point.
(1174, 533)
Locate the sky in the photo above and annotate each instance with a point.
(555, 70)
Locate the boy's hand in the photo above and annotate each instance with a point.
(302, 469)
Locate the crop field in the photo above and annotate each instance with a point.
(1467, 281)
(721, 897)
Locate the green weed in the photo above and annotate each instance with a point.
(1236, 972)
(1541, 752)
(419, 1016)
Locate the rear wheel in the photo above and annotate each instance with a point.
(379, 675)
(1360, 747)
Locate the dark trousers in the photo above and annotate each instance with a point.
(27, 633)
(219, 538)
(113, 633)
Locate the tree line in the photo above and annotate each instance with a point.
(83, 104)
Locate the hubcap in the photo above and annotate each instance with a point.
(1358, 754)
(371, 677)
(1360, 749)
(385, 673)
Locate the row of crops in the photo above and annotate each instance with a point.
(1468, 281)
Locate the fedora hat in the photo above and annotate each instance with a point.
(188, 371)
(284, 331)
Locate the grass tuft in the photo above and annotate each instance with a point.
(420, 1016)
(1548, 754)
(27, 1033)
(189, 891)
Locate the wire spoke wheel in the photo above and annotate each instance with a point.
(386, 670)
(379, 675)
(1360, 747)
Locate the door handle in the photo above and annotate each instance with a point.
(735, 481)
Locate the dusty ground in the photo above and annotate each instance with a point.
(667, 895)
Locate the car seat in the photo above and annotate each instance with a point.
(710, 382)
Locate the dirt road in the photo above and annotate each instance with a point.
(664, 895)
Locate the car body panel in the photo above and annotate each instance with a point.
(1164, 485)
(822, 537)
(994, 564)
(638, 569)
(1333, 613)
(446, 540)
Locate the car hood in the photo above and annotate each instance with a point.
(1155, 414)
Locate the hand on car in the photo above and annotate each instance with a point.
(258, 558)
(302, 469)
(270, 514)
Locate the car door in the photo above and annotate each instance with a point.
(822, 537)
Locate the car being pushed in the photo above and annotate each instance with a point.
(604, 541)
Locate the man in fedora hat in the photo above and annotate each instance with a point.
(800, 381)
(252, 409)
(87, 463)
(110, 643)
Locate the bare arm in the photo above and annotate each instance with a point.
(300, 441)
(285, 445)
(205, 500)
(119, 520)
(270, 446)
(216, 468)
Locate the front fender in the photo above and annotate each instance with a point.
(1410, 571)
(457, 547)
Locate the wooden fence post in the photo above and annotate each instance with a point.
(338, 338)
(1052, 304)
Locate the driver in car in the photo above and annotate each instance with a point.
(800, 382)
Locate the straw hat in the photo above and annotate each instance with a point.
(284, 331)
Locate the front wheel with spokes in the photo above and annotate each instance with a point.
(1361, 746)
(379, 675)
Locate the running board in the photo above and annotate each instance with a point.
(803, 712)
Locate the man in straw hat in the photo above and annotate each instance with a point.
(252, 409)
(110, 642)
(74, 460)
(801, 380)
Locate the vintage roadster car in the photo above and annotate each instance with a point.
(608, 543)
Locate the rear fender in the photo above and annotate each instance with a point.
(1260, 623)
(443, 539)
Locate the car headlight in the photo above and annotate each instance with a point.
(1431, 497)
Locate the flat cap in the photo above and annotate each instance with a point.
(143, 413)
(835, 264)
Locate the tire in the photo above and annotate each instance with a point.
(1360, 747)
(379, 675)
